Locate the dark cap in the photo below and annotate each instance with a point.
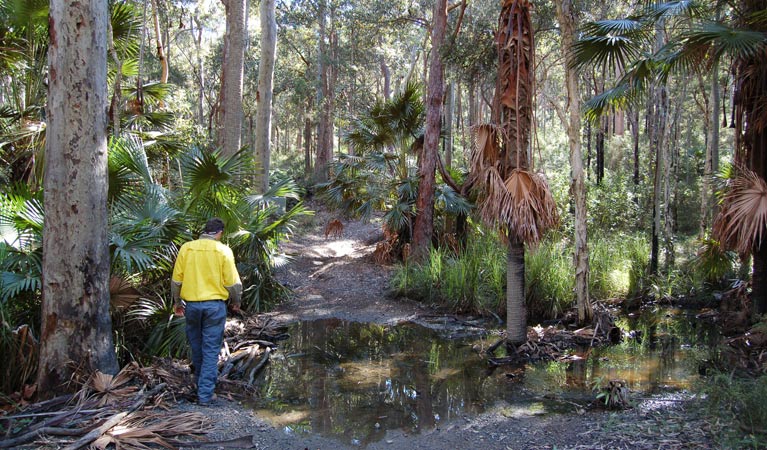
(213, 226)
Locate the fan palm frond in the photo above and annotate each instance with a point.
(531, 209)
(110, 389)
(691, 8)
(743, 215)
(126, 28)
(452, 202)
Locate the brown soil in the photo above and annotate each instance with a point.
(337, 277)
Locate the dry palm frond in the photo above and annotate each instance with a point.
(485, 147)
(112, 388)
(121, 294)
(742, 219)
(530, 210)
(493, 195)
(142, 428)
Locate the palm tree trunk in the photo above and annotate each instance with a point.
(516, 310)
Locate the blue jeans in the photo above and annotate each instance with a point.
(205, 331)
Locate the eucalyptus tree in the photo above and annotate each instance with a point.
(229, 106)
(76, 325)
(262, 140)
(424, 221)
(567, 23)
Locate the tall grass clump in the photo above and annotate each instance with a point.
(549, 279)
(472, 281)
(617, 265)
(475, 279)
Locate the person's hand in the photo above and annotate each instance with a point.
(178, 310)
(235, 308)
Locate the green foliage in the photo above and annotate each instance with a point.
(473, 281)
(549, 279)
(712, 263)
(166, 334)
(21, 226)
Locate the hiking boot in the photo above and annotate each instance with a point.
(212, 402)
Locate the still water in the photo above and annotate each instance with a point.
(355, 381)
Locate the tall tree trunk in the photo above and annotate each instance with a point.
(449, 119)
(424, 219)
(670, 143)
(600, 147)
(159, 47)
(325, 94)
(308, 142)
(265, 80)
(567, 24)
(230, 115)
(658, 118)
(200, 68)
(712, 150)
(386, 78)
(634, 124)
(76, 326)
(516, 309)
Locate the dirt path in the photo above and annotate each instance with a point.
(338, 278)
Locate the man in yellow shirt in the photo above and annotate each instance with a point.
(204, 277)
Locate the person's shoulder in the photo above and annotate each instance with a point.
(220, 246)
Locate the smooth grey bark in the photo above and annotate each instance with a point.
(567, 24)
(516, 309)
(424, 219)
(265, 93)
(76, 327)
(230, 114)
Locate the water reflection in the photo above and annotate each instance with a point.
(355, 381)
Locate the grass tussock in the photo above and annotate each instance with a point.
(475, 280)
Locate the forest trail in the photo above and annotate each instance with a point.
(336, 276)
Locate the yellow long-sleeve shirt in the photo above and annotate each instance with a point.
(205, 270)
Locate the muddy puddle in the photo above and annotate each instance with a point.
(354, 381)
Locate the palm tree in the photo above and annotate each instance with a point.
(509, 195)
(740, 37)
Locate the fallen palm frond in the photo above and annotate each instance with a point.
(147, 427)
(743, 215)
(109, 389)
